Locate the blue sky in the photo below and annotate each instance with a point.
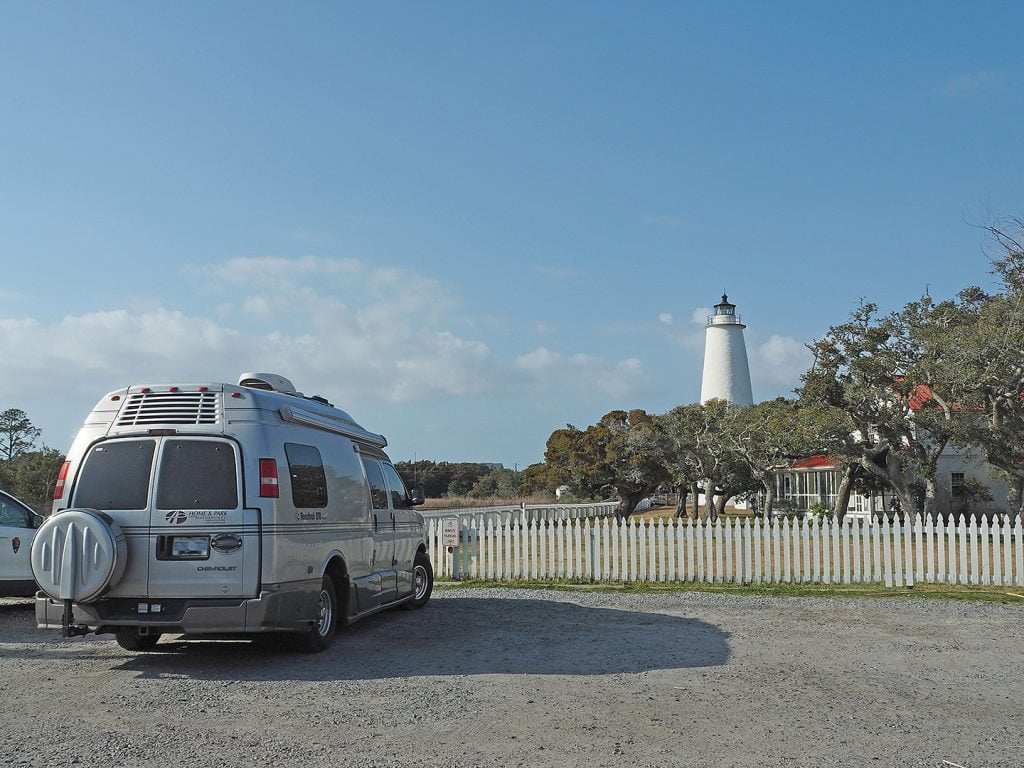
(471, 223)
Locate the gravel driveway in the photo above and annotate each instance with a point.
(497, 677)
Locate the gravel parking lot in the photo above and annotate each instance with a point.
(496, 677)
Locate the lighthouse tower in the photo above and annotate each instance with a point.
(726, 372)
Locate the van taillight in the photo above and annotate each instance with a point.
(268, 479)
(58, 489)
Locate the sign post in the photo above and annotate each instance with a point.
(451, 529)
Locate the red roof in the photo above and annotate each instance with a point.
(813, 462)
(920, 396)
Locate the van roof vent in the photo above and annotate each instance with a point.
(269, 382)
(147, 408)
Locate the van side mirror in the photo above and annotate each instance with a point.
(36, 520)
(416, 497)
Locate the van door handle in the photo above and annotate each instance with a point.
(374, 522)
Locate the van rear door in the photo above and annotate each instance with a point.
(115, 478)
(202, 540)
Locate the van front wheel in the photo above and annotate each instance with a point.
(422, 582)
(130, 639)
(321, 633)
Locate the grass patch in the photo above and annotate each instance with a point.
(920, 591)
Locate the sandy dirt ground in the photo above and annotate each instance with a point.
(503, 677)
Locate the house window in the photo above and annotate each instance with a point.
(957, 484)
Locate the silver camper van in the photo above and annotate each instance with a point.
(217, 509)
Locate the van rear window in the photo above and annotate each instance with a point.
(116, 475)
(197, 474)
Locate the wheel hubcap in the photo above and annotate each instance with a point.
(420, 581)
(326, 613)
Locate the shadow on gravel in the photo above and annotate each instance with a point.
(472, 636)
(18, 605)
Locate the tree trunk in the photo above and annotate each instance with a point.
(720, 502)
(1015, 496)
(892, 475)
(628, 499)
(695, 492)
(908, 500)
(930, 464)
(709, 500)
(930, 504)
(682, 490)
(843, 493)
(769, 497)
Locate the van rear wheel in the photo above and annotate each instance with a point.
(321, 633)
(130, 639)
(422, 582)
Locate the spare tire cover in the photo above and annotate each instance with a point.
(77, 554)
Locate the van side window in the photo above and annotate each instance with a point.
(116, 475)
(399, 497)
(197, 474)
(306, 468)
(378, 492)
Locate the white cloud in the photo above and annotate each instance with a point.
(539, 359)
(359, 334)
(258, 306)
(686, 335)
(544, 368)
(387, 340)
(665, 318)
(776, 365)
(542, 329)
(269, 270)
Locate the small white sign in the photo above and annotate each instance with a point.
(450, 528)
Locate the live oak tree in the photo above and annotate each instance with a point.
(678, 427)
(986, 359)
(892, 382)
(699, 448)
(537, 479)
(855, 373)
(621, 454)
(770, 435)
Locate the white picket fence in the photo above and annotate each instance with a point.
(517, 512)
(735, 551)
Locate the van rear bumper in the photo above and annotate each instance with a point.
(274, 610)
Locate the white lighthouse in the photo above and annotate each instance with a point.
(726, 372)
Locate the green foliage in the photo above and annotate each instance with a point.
(817, 509)
(498, 483)
(624, 454)
(442, 478)
(702, 444)
(537, 479)
(32, 476)
(28, 474)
